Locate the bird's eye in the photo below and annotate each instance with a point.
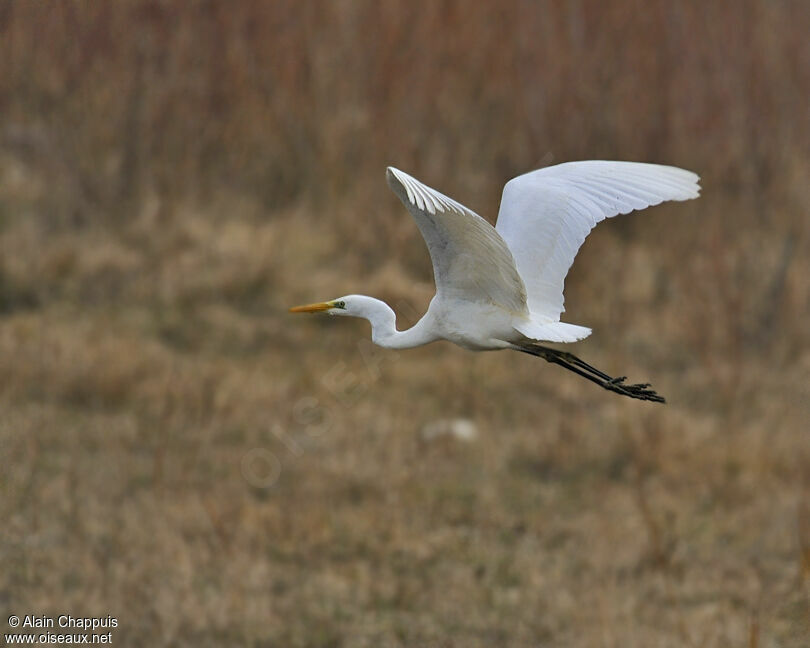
(341, 304)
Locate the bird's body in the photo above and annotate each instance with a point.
(502, 287)
(474, 326)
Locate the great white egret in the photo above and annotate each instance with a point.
(502, 287)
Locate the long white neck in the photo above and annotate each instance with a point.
(383, 324)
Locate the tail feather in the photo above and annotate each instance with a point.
(553, 331)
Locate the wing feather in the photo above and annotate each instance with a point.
(546, 215)
(470, 259)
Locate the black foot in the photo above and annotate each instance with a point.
(639, 390)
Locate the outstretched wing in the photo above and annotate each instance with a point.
(470, 259)
(545, 216)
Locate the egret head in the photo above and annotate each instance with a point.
(353, 306)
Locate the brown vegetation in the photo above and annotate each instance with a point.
(179, 452)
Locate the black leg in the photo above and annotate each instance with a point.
(582, 368)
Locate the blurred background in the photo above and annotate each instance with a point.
(179, 452)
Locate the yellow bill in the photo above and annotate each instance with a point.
(312, 308)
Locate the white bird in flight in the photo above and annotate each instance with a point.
(502, 287)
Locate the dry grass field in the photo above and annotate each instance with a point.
(178, 451)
